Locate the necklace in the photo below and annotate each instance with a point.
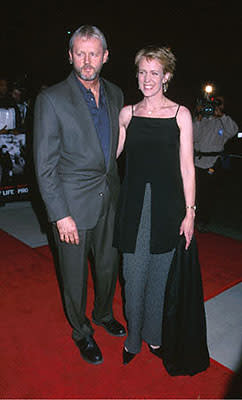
(150, 112)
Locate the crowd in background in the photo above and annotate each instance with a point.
(16, 128)
(14, 95)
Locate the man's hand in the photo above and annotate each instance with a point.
(67, 230)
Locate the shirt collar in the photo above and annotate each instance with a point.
(86, 91)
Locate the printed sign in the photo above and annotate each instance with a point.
(13, 178)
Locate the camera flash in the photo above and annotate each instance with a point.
(208, 89)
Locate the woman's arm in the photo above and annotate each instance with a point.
(184, 121)
(124, 120)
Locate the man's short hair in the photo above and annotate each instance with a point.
(88, 31)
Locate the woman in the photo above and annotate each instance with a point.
(157, 198)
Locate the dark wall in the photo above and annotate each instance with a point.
(204, 37)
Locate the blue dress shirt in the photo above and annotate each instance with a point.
(99, 116)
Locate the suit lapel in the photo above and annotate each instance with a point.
(112, 118)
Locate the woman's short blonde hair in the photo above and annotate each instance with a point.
(162, 54)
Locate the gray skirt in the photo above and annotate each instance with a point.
(145, 276)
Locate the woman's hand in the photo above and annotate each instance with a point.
(187, 227)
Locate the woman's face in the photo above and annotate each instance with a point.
(150, 76)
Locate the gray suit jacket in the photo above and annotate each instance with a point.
(70, 166)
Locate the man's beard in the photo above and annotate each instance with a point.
(87, 77)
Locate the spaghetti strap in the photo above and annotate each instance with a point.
(177, 110)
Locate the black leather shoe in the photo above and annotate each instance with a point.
(157, 352)
(89, 350)
(113, 327)
(127, 356)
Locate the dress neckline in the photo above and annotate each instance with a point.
(139, 116)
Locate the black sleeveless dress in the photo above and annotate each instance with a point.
(152, 155)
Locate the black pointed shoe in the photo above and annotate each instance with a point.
(113, 327)
(127, 356)
(89, 350)
(157, 352)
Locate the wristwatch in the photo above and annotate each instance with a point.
(193, 207)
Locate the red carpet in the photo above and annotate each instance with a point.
(221, 262)
(39, 359)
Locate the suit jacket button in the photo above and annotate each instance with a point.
(101, 194)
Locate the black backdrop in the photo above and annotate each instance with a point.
(205, 37)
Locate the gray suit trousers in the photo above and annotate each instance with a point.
(73, 273)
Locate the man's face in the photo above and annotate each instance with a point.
(3, 87)
(16, 94)
(88, 57)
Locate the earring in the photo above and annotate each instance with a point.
(164, 86)
(70, 61)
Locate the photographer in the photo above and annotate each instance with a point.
(212, 128)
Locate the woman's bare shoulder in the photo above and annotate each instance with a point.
(125, 115)
(184, 111)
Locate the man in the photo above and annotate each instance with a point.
(75, 143)
(18, 95)
(211, 131)
(6, 102)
